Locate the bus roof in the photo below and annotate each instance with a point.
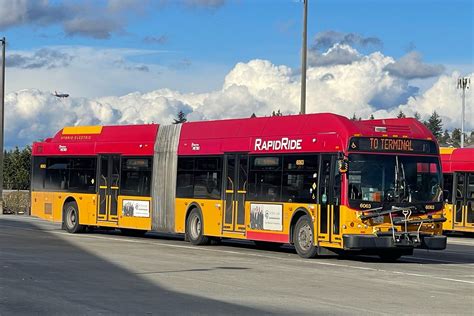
(324, 132)
(457, 159)
(92, 140)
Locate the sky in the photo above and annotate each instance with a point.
(130, 61)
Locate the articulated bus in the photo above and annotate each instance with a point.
(458, 174)
(321, 182)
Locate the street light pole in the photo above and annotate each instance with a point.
(2, 120)
(303, 58)
(463, 83)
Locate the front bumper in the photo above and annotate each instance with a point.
(399, 241)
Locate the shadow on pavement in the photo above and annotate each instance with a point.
(438, 255)
(41, 273)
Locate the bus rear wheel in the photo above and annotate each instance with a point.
(195, 229)
(303, 238)
(71, 218)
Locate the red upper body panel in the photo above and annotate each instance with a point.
(461, 159)
(131, 140)
(323, 132)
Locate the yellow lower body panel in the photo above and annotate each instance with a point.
(49, 206)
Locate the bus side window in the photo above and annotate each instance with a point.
(135, 176)
(460, 186)
(448, 186)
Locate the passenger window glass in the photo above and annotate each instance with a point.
(199, 177)
(70, 174)
(300, 178)
(470, 187)
(460, 186)
(136, 176)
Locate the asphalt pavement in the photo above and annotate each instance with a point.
(46, 271)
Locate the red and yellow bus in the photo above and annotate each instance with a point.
(458, 174)
(321, 182)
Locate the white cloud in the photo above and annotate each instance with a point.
(411, 66)
(363, 87)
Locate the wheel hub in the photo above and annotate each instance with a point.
(305, 237)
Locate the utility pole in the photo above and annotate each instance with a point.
(463, 83)
(2, 120)
(303, 57)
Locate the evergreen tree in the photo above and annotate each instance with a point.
(446, 138)
(401, 114)
(278, 113)
(181, 118)
(471, 138)
(17, 165)
(253, 115)
(456, 137)
(354, 117)
(372, 117)
(435, 125)
(417, 116)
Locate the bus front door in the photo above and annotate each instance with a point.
(328, 219)
(109, 180)
(463, 200)
(235, 192)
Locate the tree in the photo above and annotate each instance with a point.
(355, 118)
(371, 117)
(181, 118)
(417, 116)
(401, 114)
(435, 125)
(253, 115)
(17, 165)
(278, 113)
(471, 138)
(456, 137)
(446, 138)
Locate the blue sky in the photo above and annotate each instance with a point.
(241, 30)
(141, 61)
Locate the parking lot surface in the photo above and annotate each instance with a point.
(44, 270)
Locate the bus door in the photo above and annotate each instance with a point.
(463, 200)
(328, 219)
(109, 180)
(236, 175)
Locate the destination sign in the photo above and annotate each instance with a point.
(386, 144)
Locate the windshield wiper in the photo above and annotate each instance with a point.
(401, 185)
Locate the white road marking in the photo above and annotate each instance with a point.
(460, 242)
(156, 243)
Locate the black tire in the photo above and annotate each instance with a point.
(71, 218)
(194, 229)
(133, 232)
(303, 238)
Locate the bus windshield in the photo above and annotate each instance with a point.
(394, 179)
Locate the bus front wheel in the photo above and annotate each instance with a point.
(303, 238)
(195, 229)
(71, 218)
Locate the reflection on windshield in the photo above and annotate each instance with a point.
(384, 178)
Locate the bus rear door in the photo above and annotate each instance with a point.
(235, 166)
(109, 181)
(328, 219)
(463, 200)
